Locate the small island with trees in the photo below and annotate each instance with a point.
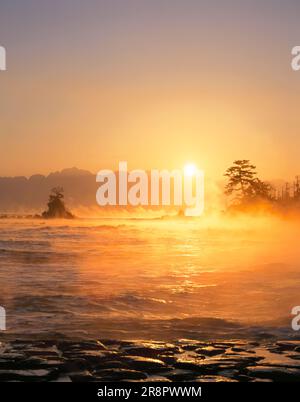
(56, 206)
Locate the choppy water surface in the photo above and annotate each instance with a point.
(148, 278)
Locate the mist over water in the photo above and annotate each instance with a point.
(134, 278)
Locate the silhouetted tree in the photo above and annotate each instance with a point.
(245, 185)
(56, 205)
(260, 189)
(296, 186)
(240, 178)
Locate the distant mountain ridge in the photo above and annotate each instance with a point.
(22, 194)
(19, 193)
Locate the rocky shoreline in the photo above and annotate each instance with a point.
(136, 360)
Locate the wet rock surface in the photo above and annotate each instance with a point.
(136, 360)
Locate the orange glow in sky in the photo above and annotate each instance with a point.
(93, 83)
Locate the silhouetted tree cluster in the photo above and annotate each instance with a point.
(56, 205)
(246, 189)
(289, 193)
(244, 185)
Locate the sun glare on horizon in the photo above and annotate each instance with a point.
(190, 169)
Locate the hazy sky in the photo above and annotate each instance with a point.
(155, 82)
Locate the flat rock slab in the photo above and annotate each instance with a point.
(275, 373)
(210, 351)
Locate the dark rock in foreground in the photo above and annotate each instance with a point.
(183, 360)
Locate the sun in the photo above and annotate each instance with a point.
(190, 169)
